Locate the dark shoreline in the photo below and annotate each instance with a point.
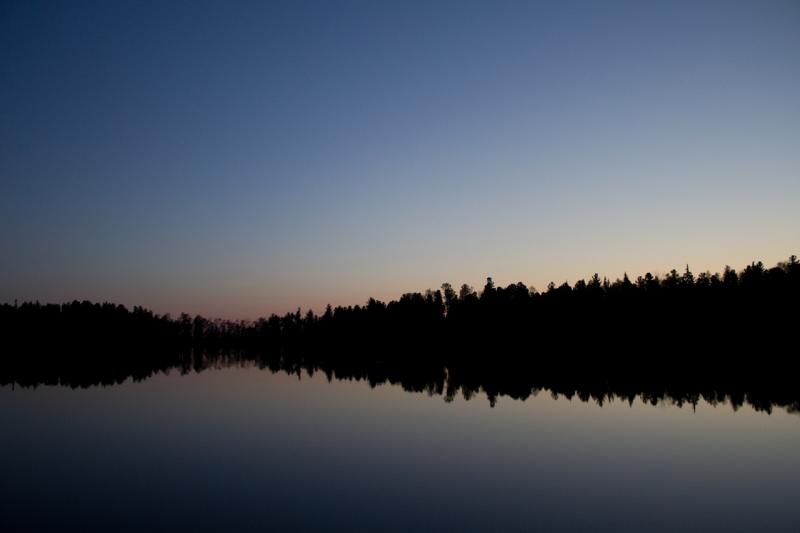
(727, 336)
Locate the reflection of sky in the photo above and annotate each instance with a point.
(243, 448)
(236, 162)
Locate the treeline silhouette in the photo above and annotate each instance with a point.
(734, 333)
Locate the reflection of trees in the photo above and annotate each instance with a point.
(763, 394)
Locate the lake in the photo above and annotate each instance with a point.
(244, 449)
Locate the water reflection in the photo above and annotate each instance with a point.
(215, 443)
(730, 385)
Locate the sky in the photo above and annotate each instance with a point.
(236, 159)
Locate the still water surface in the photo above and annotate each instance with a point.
(242, 449)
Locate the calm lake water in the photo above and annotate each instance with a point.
(242, 449)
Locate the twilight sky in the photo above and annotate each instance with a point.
(237, 159)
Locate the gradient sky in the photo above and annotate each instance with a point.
(238, 159)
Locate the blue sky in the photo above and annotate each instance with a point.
(238, 159)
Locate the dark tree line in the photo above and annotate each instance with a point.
(756, 306)
(738, 330)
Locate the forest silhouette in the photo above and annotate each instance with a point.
(729, 336)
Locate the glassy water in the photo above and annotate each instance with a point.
(243, 449)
